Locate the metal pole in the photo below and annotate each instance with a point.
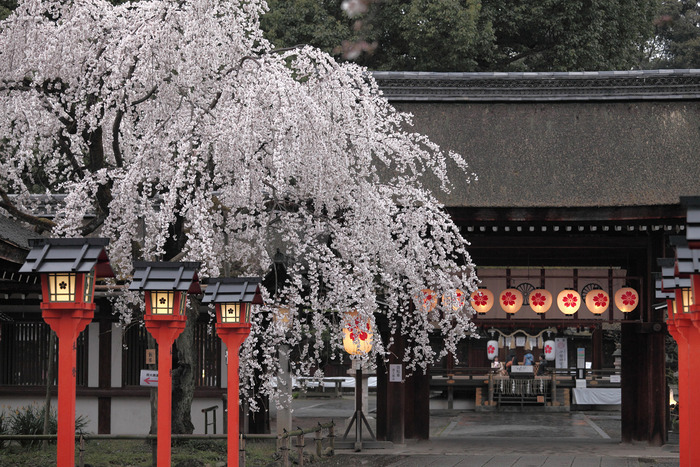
(358, 408)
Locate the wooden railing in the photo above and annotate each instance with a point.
(283, 442)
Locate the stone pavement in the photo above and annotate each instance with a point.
(468, 438)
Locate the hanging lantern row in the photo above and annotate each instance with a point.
(568, 300)
(428, 300)
(547, 346)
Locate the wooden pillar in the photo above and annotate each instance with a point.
(417, 406)
(382, 388)
(390, 396)
(643, 383)
(104, 404)
(597, 341)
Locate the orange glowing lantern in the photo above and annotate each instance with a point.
(428, 300)
(482, 300)
(626, 299)
(597, 301)
(568, 301)
(540, 300)
(455, 299)
(357, 336)
(511, 300)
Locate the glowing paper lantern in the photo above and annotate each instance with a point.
(540, 300)
(511, 300)
(491, 349)
(568, 301)
(626, 299)
(455, 299)
(357, 336)
(549, 353)
(597, 301)
(428, 300)
(482, 300)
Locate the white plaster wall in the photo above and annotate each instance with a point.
(132, 415)
(93, 355)
(116, 380)
(86, 407)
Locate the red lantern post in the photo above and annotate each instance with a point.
(166, 286)
(68, 268)
(233, 298)
(675, 291)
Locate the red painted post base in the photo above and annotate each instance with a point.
(165, 330)
(67, 322)
(680, 328)
(233, 336)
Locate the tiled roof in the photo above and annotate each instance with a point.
(14, 233)
(543, 87)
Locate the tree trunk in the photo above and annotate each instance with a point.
(185, 356)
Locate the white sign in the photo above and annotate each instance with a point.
(561, 352)
(580, 357)
(395, 372)
(522, 369)
(149, 378)
(615, 379)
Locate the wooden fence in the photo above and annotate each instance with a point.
(284, 442)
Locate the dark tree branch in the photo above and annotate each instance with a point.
(40, 222)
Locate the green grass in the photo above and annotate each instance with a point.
(132, 453)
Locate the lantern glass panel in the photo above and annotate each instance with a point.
(89, 287)
(687, 296)
(234, 312)
(162, 302)
(62, 287)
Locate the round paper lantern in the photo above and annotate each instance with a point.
(540, 300)
(511, 300)
(568, 301)
(482, 300)
(428, 300)
(549, 353)
(597, 301)
(626, 299)
(491, 349)
(357, 336)
(454, 299)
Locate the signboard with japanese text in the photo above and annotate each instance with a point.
(149, 378)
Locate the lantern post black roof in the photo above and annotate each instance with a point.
(669, 280)
(75, 255)
(661, 291)
(692, 203)
(233, 289)
(154, 275)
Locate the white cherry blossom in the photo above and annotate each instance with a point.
(176, 123)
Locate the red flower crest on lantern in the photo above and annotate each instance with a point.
(362, 335)
(481, 299)
(548, 349)
(491, 349)
(508, 299)
(570, 300)
(629, 298)
(538, 299)
(600, 300)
